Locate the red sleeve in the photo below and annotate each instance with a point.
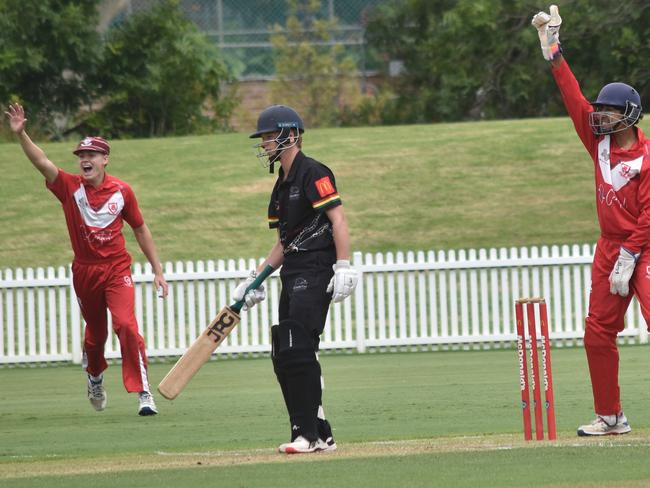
(576, 104)
(61, 185)
(638, 240)
(131, 212)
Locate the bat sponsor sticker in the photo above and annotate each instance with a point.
(222, 325)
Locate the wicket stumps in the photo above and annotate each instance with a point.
(532, 345)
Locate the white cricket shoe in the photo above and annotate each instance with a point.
(325, 435)
(96, 393)
(606, 425)
(302, 446)
(328, 444)
(147, 405)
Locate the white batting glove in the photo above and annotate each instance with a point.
(548, 30)
(343, 282)
(619, 278)
(253, 297)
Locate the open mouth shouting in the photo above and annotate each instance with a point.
(86, 168)
(91, 166)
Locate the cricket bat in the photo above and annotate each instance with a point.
(202, 348)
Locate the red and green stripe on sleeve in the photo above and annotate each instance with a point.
(326, 201)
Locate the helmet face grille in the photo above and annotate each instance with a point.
(604, 122)
(282, 141)
(621, 96)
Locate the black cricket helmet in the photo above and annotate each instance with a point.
(276, 118)
(282, 120)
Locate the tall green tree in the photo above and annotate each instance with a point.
(608, 41)
(48, 48)
(160, 75)
(312, 74)
(472, 59)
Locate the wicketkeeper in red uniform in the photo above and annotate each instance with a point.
(621, 266)
(95, 204)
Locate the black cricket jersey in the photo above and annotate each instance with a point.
(298, 204)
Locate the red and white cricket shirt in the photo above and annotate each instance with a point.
(622, 179)
(94, 216)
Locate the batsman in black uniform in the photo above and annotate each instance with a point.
(314, 252)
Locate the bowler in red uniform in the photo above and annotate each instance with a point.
(95, 204)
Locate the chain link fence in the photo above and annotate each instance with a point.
(242, 29)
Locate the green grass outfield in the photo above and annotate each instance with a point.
(419, 187)
(405, 419)
(448, 419)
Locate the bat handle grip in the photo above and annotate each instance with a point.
(236, 307)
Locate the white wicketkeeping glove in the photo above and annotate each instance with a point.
(253, 297)
(343, 282)
(548, 30)
(619, 278)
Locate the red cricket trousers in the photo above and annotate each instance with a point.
(606, 319)
(109, 286)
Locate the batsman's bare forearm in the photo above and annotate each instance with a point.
(340, 232)
(275, 258)
(38, 158)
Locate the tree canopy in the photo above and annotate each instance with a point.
(160, 75)
(48, 48)
(472, 59)
(153, 74)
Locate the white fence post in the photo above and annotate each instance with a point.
(359, 305)
(2, 319)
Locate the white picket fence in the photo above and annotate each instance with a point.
(412, 300)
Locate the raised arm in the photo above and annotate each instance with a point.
(17, 122)
(548, 30)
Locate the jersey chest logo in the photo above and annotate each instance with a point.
(105, 216)
(294, 193)
(621, 174)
